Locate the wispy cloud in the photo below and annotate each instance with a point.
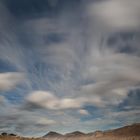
(10, 80)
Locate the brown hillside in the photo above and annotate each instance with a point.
(131, 130)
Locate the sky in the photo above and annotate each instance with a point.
(68, 65)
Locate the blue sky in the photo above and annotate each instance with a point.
(69, 65)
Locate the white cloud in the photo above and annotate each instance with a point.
(44, 99)
(71, 103)
(48, 100)
(45, 121)
(121, 14)
(83, 112)
(10, 80)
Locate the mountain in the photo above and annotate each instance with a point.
(130, 130)
(96, 134)
(126, 132)
(75, 134)
(52, 134)
(6, 134)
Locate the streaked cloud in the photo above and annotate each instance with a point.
(10, 80)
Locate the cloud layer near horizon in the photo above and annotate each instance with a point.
(65, 65)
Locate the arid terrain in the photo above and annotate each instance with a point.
(131, 132)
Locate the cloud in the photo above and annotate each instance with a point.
(114, 75)
(2, 101)
(44, 99)
(22, 122)
(10, 47)
(121, 115)
(83, 112)
(48, 100)
(119, 14)
(10, 80)
(45, 121)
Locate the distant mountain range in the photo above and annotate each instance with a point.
(52, 134)
(126, 131)
(57, 135)
(131, 132)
